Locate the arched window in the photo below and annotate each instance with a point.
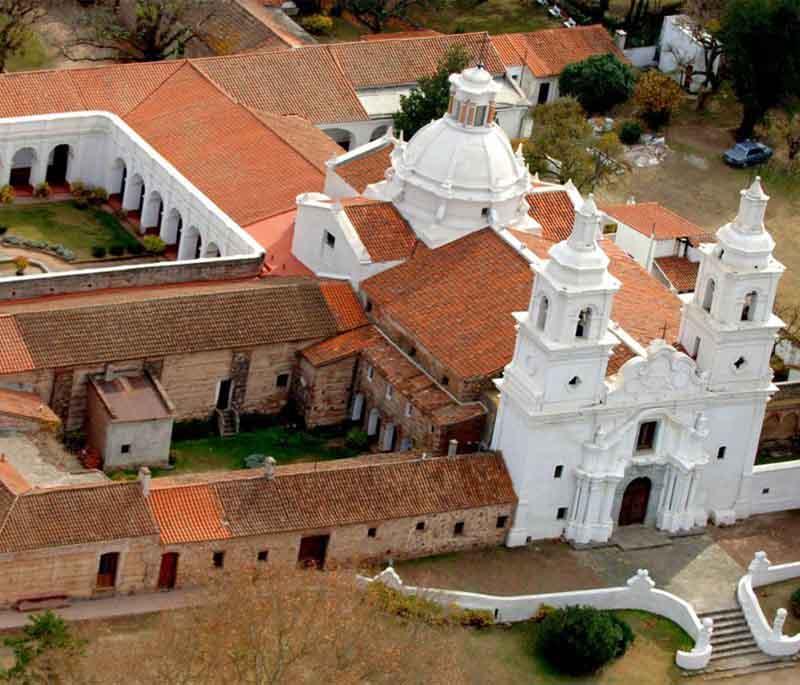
(584, 322)
(544, 305)
(749, 306)
(708, 298)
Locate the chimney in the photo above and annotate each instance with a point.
(631, 200)
(620, 38)
(144, 480)
(269, 468)
(452, 448)
(108, 376)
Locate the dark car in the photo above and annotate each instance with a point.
(747, 153)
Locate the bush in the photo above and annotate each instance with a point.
(78, 189)
(656, 97)
(42, 190)
(154, 245)
(21, 263)
(98, 252)
(81, 202)
(117, 250)
(317, 24)
(99, 195)
(630, 132)
(7, 194)
(135, 248)
(794, 603)
(357, 439)
(598, 83)
(578, 640)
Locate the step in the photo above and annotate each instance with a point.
(719, 655)
(730, 622)
(735, 671)
(730, 629)
(733, 611)
(734, 638)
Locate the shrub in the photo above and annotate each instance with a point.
(630, 132)
(656, 97)
(474, 618)
(117, 250)
(135, 248)
(99, 195)
(78, 189)
(317, 24)
(357, 439)
(81, 202)
(42, 190)
(794, 603)
(598, 82)
(7, 194)
(543, 612)
(98, 251)
(21, 263)
(578, 640)
(153, 244)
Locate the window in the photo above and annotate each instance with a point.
(480, 115)
(263, 555)
(412, 352)
(765, 491)
(445, 380)
(721, 452)
(584, 321)
(420, 525)
(740, 363)
(544, 92)
(107, 570)
(368, 306)
(389, 392)
(502, 521)
(647, 436)
(708, 298)
(283, 380)
(574, 382)
(559, 471)
(485, 213)
(544, 305)
(456, 109)
(330, 240)
(458, 529)
(370, 372)
(749, 306)
(125, 449)
(610, 229)
(372, 532)
(218, 559)
(721, 253)
(696, 347)
(561, 514)
(409, 409)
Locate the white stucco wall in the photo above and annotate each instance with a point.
(676, 44)
(631, 241)
(782, 485)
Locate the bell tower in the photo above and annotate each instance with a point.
(728, 326)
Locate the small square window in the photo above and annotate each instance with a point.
(420, 525)
(646, 438)
(389, 392)
(219, 559)
(263, 555)
(561, 514)
(372, 533)
(368, 306)
(559, 471)
(283, 380)
(502, 521)
(330, 239)
(412, 352)
(445, 380)
(721, 452)
(370, 373)
(458, 529)
(765, 491)
(125, 449)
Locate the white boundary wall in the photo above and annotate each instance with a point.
(776, 487)
(770, 638)
(639, 594)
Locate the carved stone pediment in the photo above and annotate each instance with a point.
(664, 372)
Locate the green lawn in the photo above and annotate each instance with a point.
(494, 16)
(62, 223)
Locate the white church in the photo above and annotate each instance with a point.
(669, 438)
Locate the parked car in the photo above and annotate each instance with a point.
(747, 153)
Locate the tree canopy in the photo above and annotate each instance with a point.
(16, 19)
(429, 98)
(598, 82)
(375, 13)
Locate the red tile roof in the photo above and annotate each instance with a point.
(13, 480)
(359, 172)
(26, 405)
(14, 354)
(554, 212)
(548, 51)
(341, 346)
(381, 63)
(275, 235)
(312, 143)
(383, 231)
(343, 304)
(652, 218)
(680, 272)
(190, 513)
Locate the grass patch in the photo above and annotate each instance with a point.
(343, 31)
(62, 223)
(494, 16)
(32, 55)
(776, 596)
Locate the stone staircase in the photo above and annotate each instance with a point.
(735, 651)
(227, 422)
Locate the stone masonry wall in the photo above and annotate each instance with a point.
(325, 398)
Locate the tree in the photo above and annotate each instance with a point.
(375, 13)
(563, 146)
(598, 82)
(762, 55)
(429, 98)
(704, 22)
(16, 19)
(656, 97)
(781, 127)
(154, 30)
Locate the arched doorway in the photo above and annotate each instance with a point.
(341, 136)
(21, 168)
(189, 246)
(634, 502)
(118, 179)
(212, 250)
(173, 227)
(57, 165)
(153, 213)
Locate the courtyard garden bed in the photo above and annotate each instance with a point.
(778, 595)
(61, 223)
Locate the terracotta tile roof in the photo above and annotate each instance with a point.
(343, 304)
(14, 482)
(381, 63)
(222, 148)
(234, 27)
(154, 323)
(548, 51)
(679, 271)
(38, 92)
(554, 212)
(76, 515)
(306, 82)
(275, 235)
(359, 172)
(14, 355)
(191, 513)
(316, 146)
(384, 232)
(26, 405)
(340, 346)
(350, 493)
(651, 217)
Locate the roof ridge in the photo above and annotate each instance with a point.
(7, 516)
(77, 486)
(155, 90)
